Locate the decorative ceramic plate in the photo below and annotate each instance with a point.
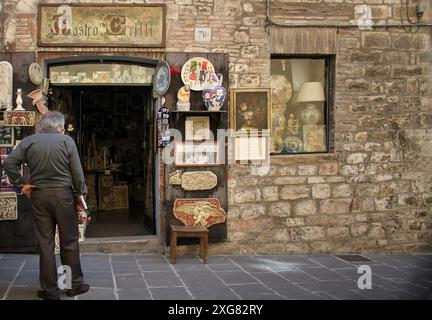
(35, 73)
(196, 73)
(162, 78)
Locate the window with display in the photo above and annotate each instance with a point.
(301, 100)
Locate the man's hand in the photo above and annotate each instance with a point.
(78, 205)
(27, 189)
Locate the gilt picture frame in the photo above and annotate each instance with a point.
(250, 109)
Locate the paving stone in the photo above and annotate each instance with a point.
(28, 278)
(11, 262)
(126, 268)
(224, 267)
(331, 262)
(388, 272)
(22, 293)
(95, 265)
(95, 256)
(31, 264)
(8, 274)
(4, 285)
(190, 267)
(175, 293)
(135, 294)
(297, 276)
(130, 282)
(188, 260)
(414, 261)
(323, 274)
(99, 279)
(384, 259)
(275, 264)
(255, 292)
(325, 295)
(97, 294)
(300, 261)
(283, 287)
(249, 264)
(154, 265)
(199, 279)
(212, 260)
(162, 279)
(235, 277)
(215, 292)
(123, 258)
(148, 256)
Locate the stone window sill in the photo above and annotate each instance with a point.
(284, 159)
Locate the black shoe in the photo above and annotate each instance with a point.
(44, 295)
(79, 290)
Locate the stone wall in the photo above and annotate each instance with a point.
(373, 191)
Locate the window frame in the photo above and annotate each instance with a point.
(329, 91)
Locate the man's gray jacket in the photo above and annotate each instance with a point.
(53, 161)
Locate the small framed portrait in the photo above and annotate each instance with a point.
(251, 109)
(197, 128)
(121, 104)
(196, 154)
(7, 135)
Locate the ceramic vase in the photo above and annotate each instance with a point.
(311, 115)
(214, 95)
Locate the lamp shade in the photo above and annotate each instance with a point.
(311, 91)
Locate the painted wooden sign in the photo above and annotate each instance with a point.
(19, 118)
(85, 25)
(205, 211)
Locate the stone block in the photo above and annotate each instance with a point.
(294, 192)
(355, 158)
(252, 210)
(358, 229)
(246, 195)
(307, 170)
(321, 191)
(328, 169)
(305, 208)
(295, 222)
(338, 232)
(280, 209)
(288, 171)
(270, 193)
(379, 40)
(335, 206)
(341, 191)
(289, 180)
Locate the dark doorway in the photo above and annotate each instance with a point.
(113, 129)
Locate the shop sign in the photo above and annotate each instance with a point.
(84, 25)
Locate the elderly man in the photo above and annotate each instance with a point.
(56, 181)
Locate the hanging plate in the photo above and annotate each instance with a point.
(196, 73)
(35, 73)
(162, 78)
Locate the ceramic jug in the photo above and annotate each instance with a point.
(214, 95)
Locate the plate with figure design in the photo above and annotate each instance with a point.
(196, 73)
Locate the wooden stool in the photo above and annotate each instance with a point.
(189, 232)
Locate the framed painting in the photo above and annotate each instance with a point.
(7, 135)
(250, 109)
(197, 128)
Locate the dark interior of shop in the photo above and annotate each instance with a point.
(112, 127)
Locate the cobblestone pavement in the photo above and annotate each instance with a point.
(153, 277)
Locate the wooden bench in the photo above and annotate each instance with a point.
(189, 232)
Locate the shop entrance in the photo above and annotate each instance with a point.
(112, 125)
